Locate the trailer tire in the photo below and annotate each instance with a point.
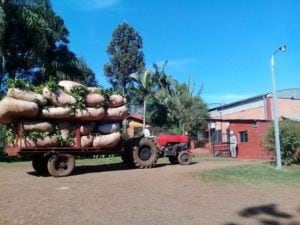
(146, 154)
(184, 158)
(61, 165)
(39, 164)
(173, 159)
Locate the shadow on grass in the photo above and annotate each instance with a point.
(267, 215)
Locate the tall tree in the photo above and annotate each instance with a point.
(2, 28)
(154, 91)
(159, 105)
(172, 106)
(189, 111)
(125, 56)
(34, 42)
(45, 3)
(176, 107)
(145, 81)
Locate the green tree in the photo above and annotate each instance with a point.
(161, 102)
(289, 140)
(45, 3)
(157, 112)
(170, 105)
(2, 30)
(153, 92)
(187, 112)
(125, 56)
(33, 44)
(145, 90)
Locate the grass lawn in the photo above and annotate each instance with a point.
(252, 175)
(99, 160)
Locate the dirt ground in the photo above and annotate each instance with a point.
(167, 194)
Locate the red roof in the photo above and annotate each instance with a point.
(136, 117)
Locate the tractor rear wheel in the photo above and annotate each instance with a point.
(61, 165)
(145, 155)
(184, 158)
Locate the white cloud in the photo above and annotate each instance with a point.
(103, 4)
(94, 4)
(181, 63)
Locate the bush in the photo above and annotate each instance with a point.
(4, 157)
(289, 140)
(2, 140)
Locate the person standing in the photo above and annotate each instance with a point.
(147, 131)
(232, 144)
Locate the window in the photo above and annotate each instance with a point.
(243, 136)
(216, 136)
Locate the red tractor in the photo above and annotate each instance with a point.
(143, 152)
(175, 147)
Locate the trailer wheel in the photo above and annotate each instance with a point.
(39, 164)
(173, 159)
(145, 156)
(184, 158)
(61, 165)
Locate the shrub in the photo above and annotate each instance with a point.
(289, 140)
(3, 136)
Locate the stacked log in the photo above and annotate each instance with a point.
(54, 116)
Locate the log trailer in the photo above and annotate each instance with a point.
(68, 119)
(60, 161)
(138, 152)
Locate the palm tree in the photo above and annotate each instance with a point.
(33, 44)
(21, 21)
(146, 84)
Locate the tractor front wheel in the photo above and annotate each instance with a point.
(184, 158)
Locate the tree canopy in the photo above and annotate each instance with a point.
(34, 44)
(125, 57)
(170, 105)
(186, 111)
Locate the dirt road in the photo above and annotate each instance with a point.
(167, 194)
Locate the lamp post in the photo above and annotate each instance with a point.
(275, 109)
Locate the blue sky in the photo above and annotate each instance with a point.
(224, 45)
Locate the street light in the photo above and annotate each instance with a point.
(275, 110)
